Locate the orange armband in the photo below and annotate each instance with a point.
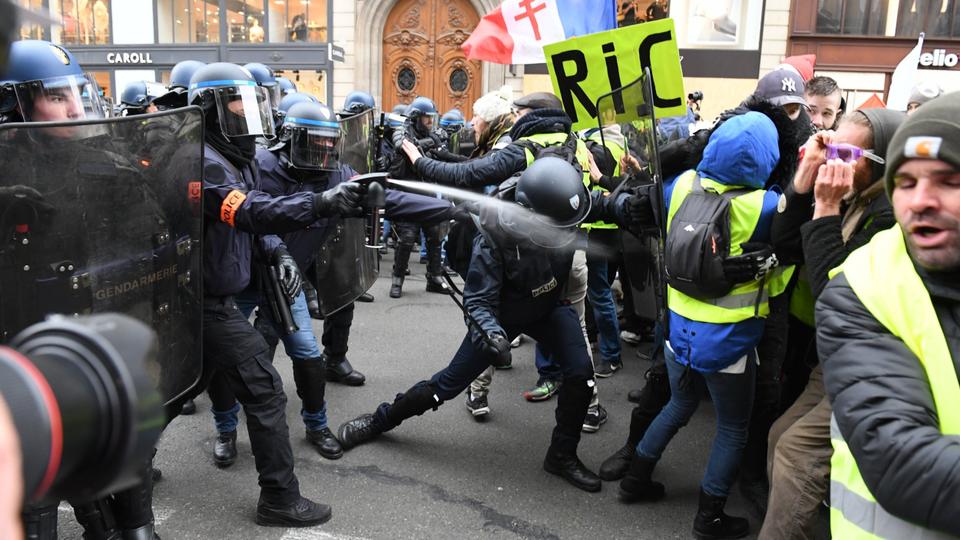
(232, 202)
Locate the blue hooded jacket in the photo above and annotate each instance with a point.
(741, 152)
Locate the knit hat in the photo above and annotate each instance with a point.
(494, 104)
(924, 92)
(933, 132)
(883, 124)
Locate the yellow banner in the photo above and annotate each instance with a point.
(584, 68)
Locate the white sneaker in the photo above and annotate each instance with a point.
(516, 341)
(630, 337)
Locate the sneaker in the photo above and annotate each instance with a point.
(516, 341)
(595, 418)
(477, 405)
(632, 338)
(604, 369)
(544, 390)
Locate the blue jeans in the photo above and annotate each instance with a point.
(732, 396)
(604, 309)
(547, 369)
(301, 346)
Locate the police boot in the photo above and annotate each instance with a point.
(637, 486)
(396, 287)
(339, 370)
(301, 513)
(97, 520)
(712, 523)
(417, 400)
(308, 375)
(572, 402)
(400, 260)
(615, 466)
(435, 281)
(40, 522)
(225, 449)
(145, 532)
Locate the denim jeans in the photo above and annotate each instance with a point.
(732, 396)
(604, 309)
(301, 346)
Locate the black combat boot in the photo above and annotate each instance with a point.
(225, 449)
(435, 283)
(145, 532)
(615, 466)
(396, 287)
(308, 375)
(339, 370)
(302, 513)
(652, 398)
(419, 399)
(573, 399)
(637, 486)
(712, 523)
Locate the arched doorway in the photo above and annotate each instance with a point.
(422, 55)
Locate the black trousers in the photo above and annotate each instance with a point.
(336, 332)
(409, 234)
(239, 356)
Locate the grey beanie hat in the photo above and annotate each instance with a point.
(883, 124)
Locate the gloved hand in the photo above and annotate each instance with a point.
(636, 210)
(23, 205)
(290, 278)
(344, 200)
(462, 212)
(753, 264)
(497, 346)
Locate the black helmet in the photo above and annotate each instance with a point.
(554, 189)
(265, 78)
(311, 132)
(357, 102)
(231, 92)
(182, 72)
(138, 95)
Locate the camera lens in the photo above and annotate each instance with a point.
(85, 409)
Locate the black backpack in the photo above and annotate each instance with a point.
(699, 241)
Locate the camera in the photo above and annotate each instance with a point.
(86, 411)
(696, 95)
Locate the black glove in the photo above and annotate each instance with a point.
(463, 212)
(344, 200)
(497, 346)
(23, 205)
(757, 259)
(290, 278)
(636, 210)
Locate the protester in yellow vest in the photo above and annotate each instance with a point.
(888, 335)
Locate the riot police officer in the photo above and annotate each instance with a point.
(452, 121)
(138, 97)
(286, 86)
(421, 115)
(180, 75)
(265, 78)
(357, 102)
(237, 111)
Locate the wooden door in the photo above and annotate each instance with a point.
(422, 55)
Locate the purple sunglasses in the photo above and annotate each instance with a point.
(850, 153)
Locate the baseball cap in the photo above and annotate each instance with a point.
(781, 87)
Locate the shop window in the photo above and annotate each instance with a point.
(103, 81)
(245, 21)
(34, 31)
(938, 18)
(298, 21)
(83, 22)
(188, 21)
(638, 11)
(308, 81)
(853, 17)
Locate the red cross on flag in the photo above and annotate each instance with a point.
(516, 32)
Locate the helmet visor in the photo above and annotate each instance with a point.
(526, 225)
(276, 94)
(244, 110)
(59, 99)
(314, 147)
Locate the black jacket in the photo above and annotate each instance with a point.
(884, 408)
(495, 167)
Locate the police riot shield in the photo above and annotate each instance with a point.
(105, 216)
(356, 141)
(625, 118)
(346, 266)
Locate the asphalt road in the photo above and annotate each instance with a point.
(442, 475)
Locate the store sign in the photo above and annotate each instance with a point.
(939, 58)
(587, 67)
(129, 58)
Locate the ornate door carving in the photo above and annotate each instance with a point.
(422, 55)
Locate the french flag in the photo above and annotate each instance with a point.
(516, 32)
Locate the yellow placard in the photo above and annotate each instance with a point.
(585, 68)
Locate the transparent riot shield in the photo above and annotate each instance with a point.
(346, 265)
(625, 118)
(356, 142)
(105, 216)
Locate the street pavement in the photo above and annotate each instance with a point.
(439, 476)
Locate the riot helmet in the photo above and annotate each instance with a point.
(555, 200)
(286, 86)
(44, 82)
(138, 96)
(357, 102)
(265, 78)
(290, 100)
(233, 95)
(181, 74)
(310, 132)
(452, 121)
(422, 114)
